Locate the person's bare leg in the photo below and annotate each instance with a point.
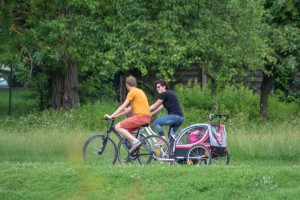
(125, 133)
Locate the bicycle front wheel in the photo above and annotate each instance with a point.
(100, 150)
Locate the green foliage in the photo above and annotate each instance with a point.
(106, 38)
(290, 98)
(23, 101)
(110, 37)
(236, 101)
(196, 102)
(239, 100)
(282, 31)
(227, 48)
(191, 97)
(282, 111)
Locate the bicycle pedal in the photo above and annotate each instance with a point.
(126, 161)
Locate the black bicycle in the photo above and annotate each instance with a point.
(101, 149)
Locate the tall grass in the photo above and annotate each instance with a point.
(88, 117)
(41, 155)
(59, 136)
(51, 135)
(264, 141)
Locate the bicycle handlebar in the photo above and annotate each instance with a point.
(111, 119)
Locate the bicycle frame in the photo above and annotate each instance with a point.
(122, 139)
(145, 134)
(149, 132)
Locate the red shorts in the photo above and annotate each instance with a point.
(135, 122)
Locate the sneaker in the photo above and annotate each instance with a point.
(160, 143)
(134, 146)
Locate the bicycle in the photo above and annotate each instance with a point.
(102, 150)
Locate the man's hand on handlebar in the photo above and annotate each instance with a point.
(107, 116)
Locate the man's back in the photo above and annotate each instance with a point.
(138, 101)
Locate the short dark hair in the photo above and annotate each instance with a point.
(131, 81)
(162, 83)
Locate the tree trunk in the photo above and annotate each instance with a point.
(63, 86)
(122, 88)
(266, 87)
(213, 91)
(214, 95)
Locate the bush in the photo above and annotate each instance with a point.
(282, 111)
(237, 101)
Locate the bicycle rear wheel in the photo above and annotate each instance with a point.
(149, 152)
(100, 150)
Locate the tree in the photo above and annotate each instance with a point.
(224, 38)
(40, 43)
(77, 47)
(91, 39)
(282, 31)
(12, 25)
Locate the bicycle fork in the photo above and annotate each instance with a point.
(102, 147)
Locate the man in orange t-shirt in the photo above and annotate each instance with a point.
(140, 108)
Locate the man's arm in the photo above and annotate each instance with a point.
(126, 111)
(120, 111)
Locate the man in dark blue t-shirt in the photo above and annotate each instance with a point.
(168, 100)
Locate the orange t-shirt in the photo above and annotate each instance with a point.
(138, 101)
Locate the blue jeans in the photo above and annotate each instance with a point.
(174, 121)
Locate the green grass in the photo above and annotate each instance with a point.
(67, 180)
(47, 163)
(41, 158)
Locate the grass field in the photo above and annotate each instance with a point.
(67, 180)
(41, 158)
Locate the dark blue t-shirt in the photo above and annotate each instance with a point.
(171, 103)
